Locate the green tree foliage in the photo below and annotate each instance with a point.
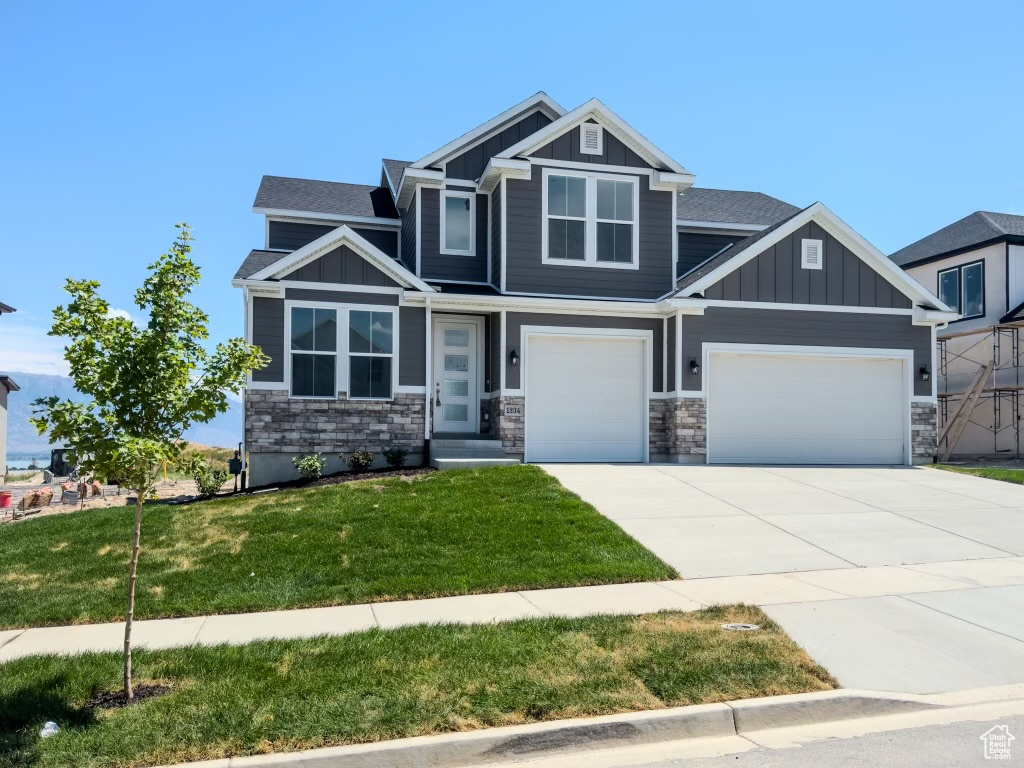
(145, 385)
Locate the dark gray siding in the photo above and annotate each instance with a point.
(342, 265)
(412, 345)
(268, 334)
(341, 297)
(471, 163)
(434, 266)
(567, 147)
(494, 363)
(409, 236)
(793, 327)
(524, 272)
(292, 235)
(496, 237)
(516, 320)
(776, 275)
(697, 247)
(670, 353)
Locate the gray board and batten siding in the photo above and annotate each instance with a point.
(292, 235)
(496, 237)
(727, 325)
(342, 265)
(516, 320)
(697, 247)
(408, 238)
(437, 266)
(471, 163)
(567, 147)
(525, 272)
(775, 275)
(268, 332)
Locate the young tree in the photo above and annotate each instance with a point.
(146, 385)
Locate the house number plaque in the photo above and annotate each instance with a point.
(513, 410)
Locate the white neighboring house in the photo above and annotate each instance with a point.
(976, 266)
(6, 385)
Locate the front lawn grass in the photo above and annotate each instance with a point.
(992, 473)
(444, 533)
(300, 694)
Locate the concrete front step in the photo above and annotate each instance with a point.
(473, 463)
(467, 453)
(445, 443)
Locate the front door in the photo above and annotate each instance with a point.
(456, 407)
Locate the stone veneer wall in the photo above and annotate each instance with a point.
(924, 431)
(276, 423)
(511, 429)
(678, 429)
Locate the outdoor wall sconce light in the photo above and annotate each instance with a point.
(694, 368)
(513, 357)
(923, 370)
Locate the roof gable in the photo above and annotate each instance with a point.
(977, 229)
(708, 275)
(341, 265)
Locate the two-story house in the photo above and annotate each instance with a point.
(550, 287)
(976, 266)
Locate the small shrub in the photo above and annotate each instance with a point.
(209, 479)
(395, 457)
(360, 461)
(310, 467)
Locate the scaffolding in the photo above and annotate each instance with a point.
(998, 390)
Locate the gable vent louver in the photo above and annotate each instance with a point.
(811, 254)
(591, 139)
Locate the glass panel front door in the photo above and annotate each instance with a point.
(456, 373)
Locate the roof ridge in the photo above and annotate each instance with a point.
(321, 181)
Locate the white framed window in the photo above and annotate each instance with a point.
(313, 337)
(347, 348)
(458, 223)
(371, 342)
(812, 254)
(962, 288)
(591, 139)
(590, 219)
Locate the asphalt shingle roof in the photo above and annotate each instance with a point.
(282, 192)
(979, 227)
(734, 250)
(730, 206)
(395, 169)
(255, 261)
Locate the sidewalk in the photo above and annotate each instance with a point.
(814, 588)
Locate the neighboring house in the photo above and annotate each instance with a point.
(550, 286)
(7, 386)
(976, 266)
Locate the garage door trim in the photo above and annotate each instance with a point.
(906, 356)
(646, 336)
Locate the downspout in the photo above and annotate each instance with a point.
(429, 400)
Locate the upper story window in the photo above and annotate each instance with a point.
(962, 288)
(458, 223)
(590, 220)
(314, 351)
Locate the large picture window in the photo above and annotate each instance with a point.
(314, 351)
(590, 220)
(370, 354)
(458, 223)
(962, 288)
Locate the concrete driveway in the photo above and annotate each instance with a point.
(900, 579)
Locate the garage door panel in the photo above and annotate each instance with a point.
(813, 409)
(585, 399)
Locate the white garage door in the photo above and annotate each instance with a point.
(782, 409)
(585, 399)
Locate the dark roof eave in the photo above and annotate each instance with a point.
(1013, 239)
(8, 382)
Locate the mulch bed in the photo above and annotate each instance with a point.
(341, 477)
(116, 699)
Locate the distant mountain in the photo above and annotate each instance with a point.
(224, 431)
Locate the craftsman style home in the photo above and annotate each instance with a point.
(976, 266)
(550, 287)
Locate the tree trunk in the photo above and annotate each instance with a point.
(129, 694)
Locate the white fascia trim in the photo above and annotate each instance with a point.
(809, 307)
(340, 287)
(671, 182)
(700, 224)
(839, 229)
(539, 100)
(496, 170)
(342, 235)
(384, 225)
(412, 180)
(554, 305)
(259, 287)
(610, 121)
(284, 213)
(933, 317)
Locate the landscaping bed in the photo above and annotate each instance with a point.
(428, 535)
(278, 696)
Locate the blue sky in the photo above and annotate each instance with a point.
(122, 119)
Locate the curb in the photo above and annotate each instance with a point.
(501, 745)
